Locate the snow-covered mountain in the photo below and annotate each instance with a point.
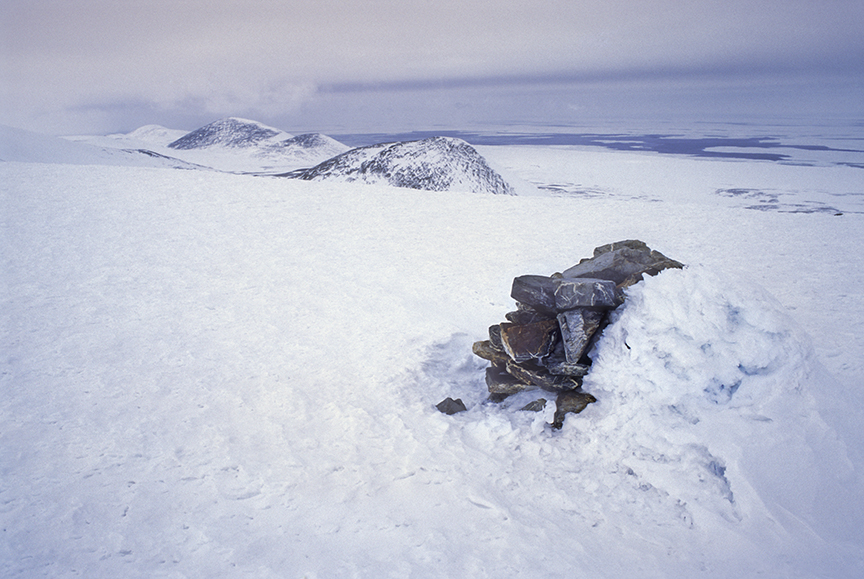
(231, 132)
(156, 134)
(28, 147)
(435, 164)
(235, 145)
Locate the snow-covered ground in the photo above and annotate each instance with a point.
(217, 375)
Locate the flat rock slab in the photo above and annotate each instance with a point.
(558, 294)
(501, 382)
(487, 350)
(541, 378)
(529, 341)
(624, 262)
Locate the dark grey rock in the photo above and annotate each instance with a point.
(624, 262)
(450, 406)
(495, 336)
(537, 376)
(535, 406)
(577, 328)
(524, 316)
(567, 402)
(557, 294)
(529, 341)
(499, 381)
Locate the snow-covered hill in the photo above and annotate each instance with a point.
(232, 132)
(233, 145)
(435, 164)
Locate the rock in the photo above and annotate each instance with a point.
(574, 402)
(529, 341)
(541, 378)
(535, 406)
(499, 381)
(450, 406)
(526, 316)
(487, 350)
(577, 328)
(558, 294)
(623, 262)
(561, 367)
(495, 336)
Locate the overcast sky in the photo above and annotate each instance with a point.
(97, 66)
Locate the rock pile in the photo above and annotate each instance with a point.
(544, 343)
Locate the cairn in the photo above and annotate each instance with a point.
(545, 342)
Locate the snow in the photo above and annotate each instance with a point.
(232, 145)
(209, 375)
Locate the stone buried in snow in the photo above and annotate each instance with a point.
(577, 328)
(450, 406)
(535, 406)
(558, 294)
(623, 262)
(574, 402)
(529, 341)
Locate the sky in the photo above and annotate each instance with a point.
(100, 66)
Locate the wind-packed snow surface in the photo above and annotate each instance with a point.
(211, 375)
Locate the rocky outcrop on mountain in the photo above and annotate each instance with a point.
(231, 133)
(545, 342)
(435, 164)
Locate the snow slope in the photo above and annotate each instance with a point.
(26, 146)
(208, 374)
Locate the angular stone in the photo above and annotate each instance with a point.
(574, 402)
(488, 351)
(499, 381)
(577, 328)
(450, 406)
(537, 376)
(564, 368)
(495, 336)
(526, 317)
(535, 406)
(529, 341)
(557, 294)
(623, 262)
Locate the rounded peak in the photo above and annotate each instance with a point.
(231, 132)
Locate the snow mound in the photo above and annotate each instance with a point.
(155, 134)
(232, 132)
(705, 396)
(304, 150)
(435, 164)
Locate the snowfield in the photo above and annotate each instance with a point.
(217, 375)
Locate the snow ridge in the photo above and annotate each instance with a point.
(435, 164)
(232, 132)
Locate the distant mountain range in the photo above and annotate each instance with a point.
(245, 146)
